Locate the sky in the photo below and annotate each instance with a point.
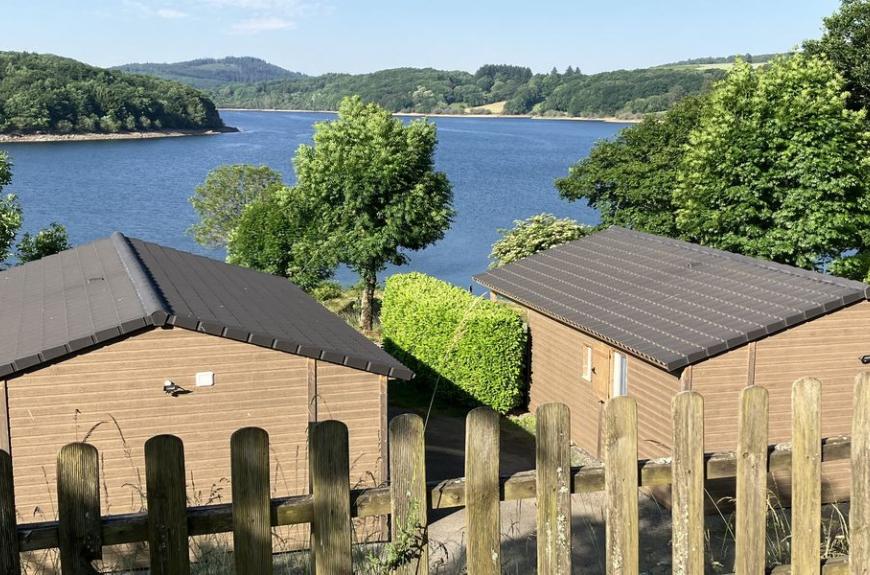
(318, 36)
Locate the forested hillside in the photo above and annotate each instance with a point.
(206, 73)
(41, 93)
(623, 93)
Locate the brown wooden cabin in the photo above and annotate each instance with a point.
(119, 340)
(624, 312)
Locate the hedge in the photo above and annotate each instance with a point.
(472, 347)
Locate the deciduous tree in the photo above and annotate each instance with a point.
(267, 232)
(10, 210)
(533, 235)
(223, 196)
(371, 192)
(846, 43)
(45, 242)
(779, 167)
(629, 180)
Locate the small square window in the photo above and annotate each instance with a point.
(587, 362)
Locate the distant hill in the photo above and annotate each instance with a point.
(722, 61)
(208, 73)
(622, 93)
(47, 94)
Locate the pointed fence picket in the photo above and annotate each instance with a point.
(80, 532)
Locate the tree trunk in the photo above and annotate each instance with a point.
(367, 302)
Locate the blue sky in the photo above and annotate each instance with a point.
(316, 36)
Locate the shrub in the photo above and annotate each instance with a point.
(473, 348)
(327, 290)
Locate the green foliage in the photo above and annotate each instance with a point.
(205, 73)
(221, 198)
(629, 180)
(369, 192)
(778, 168)
(10, 223)
(10, 210)
(45, 93)
(625, 92)
(327, 290)
(471, 348)
(854, 267)
(532, 235)
(266, 236)
(45, 242)
(752, 58)
(846, 43)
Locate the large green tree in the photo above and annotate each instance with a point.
(778, 167)
(532, 235)
(10, 210)
(222, 197)
(846, 43)
(370, 192)
(629, 180)
(266, 234)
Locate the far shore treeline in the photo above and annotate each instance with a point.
(42, 93)
(492, 89)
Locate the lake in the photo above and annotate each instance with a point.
(502, 169)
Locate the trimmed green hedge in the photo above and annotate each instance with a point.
(476, 347)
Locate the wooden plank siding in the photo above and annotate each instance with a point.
(829, 348)
(557, 376)
(113, 398)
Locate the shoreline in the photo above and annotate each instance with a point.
(607, 119)
(96, 137)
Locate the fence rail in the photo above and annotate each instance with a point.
(80, 532)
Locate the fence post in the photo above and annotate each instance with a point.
(167, 506)
(10, 562)
(806, 495)
(252, 527)
(859, 508)
(408, 504)
(751, 522)
(620, 485)
(78, 508)
(687, 485)
(330, 480)
(483, 517)
(553, 488)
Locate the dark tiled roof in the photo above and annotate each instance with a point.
(100, 291)
(670, 302)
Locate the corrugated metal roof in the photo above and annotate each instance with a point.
(100, 291)
(671, 302)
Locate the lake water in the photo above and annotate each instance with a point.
(501, 169)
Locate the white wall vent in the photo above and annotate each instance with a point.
(205, 379)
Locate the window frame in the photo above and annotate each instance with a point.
(618, 374)
(586, 361)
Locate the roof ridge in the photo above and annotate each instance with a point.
(149, 293)
(758, 262)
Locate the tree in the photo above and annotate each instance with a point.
(10, 210)
(222, 197)
(533, 235)
(370, 191)
(846, 43)
(45, 242)
(265, 236)
(629, 180)
(778, 167)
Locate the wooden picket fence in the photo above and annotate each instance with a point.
(80, 533)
